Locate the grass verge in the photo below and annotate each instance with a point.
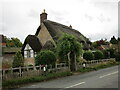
(99, 66)
(21, 81)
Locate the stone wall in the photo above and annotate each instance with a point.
(29, 61)
(8, 58)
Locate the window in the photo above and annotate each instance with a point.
(28, 52)
(31, 53)
(25, 54)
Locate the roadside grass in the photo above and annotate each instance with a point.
(16, 83)
(99, 66)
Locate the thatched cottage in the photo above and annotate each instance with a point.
(46, 36)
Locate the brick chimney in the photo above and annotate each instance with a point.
(43, 16)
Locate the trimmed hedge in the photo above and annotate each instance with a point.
(88, 55)
(98, 55)
(45, 57)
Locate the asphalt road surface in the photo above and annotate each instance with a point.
(104, 78)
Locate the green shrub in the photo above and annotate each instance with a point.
(106, 54)
(98, 55)
(88, 55)
(117, 56)
(45, 57)
(112, 52)
(18, 60)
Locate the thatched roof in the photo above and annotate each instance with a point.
(34, 43)
(38, 30)
(57, 29)
(48, 45)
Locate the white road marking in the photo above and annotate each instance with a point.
(33, 85)
(108, 74)
(75, 85)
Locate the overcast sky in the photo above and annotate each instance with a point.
(95, 19)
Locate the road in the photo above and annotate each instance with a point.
(104, 78)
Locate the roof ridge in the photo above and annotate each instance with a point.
(62, 25)
(59, 24)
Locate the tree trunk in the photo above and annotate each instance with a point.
(69, 61)
(72, 61)
(75, 61)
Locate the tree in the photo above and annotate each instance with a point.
(101, 42)
(94, 44)
(98, 55)
(88, 55)
(45, 57)
(18, 60)
(69, 48)
(98, 43)
(13, 42)
(113, 40)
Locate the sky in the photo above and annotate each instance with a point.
(95, 19)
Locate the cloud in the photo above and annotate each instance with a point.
(22, 17)
(98, 36)
(34, 14)
(102, 18)
(90, 18)
(119, 19)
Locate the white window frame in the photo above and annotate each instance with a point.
(28, 52)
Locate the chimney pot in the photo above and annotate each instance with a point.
(43, 16)
(70, 26)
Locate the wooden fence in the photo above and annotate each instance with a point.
(29, 71)
(93, 62)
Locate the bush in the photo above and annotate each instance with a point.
(18, 60)
(112, 52)
(106, 54)
(45, 57)
(98, 55)
(88, 55)
(117, 56)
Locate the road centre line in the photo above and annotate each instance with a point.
(108, 74)
(33, 85)
(75, 85)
